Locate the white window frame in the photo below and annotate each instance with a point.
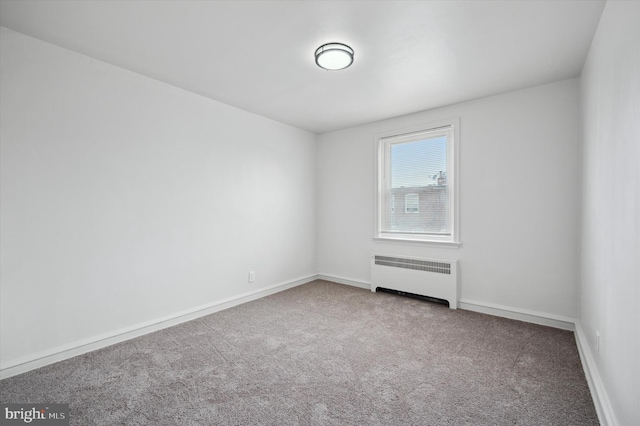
(383, 142)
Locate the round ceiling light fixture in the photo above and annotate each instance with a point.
(334, 56)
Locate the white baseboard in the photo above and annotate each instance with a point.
(601, 400)
(535, 317)
(542, 318)
(80, 347)
(343, 280)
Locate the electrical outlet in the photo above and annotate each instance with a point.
(252, 276)
(597, 343)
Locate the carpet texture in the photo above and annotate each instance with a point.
(325, 354)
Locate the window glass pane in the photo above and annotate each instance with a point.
(418, 175)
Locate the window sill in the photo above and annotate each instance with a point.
(415, 241)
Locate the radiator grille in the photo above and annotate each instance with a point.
(420, 265)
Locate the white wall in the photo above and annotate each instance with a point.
(125, 199)
(519, 199)
(610, 288)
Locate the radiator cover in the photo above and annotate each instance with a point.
(426, 277)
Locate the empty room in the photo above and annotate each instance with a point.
(320, 212)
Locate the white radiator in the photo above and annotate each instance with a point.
(425, 277)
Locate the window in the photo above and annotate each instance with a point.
(411, 203)
(418, 166)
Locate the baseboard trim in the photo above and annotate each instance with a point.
(542, 318)
(601, 400)
(80, 347)
(343, 280)
(535, 317)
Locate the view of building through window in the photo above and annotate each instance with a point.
(419, 184)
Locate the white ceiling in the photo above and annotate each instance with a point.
(258, 55)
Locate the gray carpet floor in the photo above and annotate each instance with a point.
(325, 354)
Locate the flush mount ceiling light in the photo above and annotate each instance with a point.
(334, 56)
